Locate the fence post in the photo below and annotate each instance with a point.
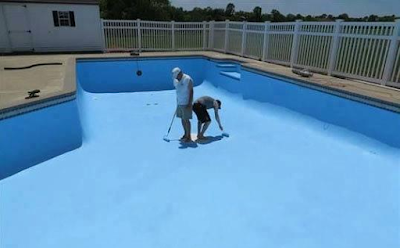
(334, 48)
(390, 60)
(266, 40)
(204, 35)
(226, 35)
(139, 35)
(105, 45)
(173, 34)
(293, 54)
(244, 38)
(211, 35)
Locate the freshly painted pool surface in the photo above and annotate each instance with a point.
(283, 178)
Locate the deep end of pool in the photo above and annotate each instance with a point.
(113, 76)
(29, 139)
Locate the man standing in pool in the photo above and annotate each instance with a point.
(200, 107)
(184, 95)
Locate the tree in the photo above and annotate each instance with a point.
(242, 16)
(257, 14)
(230, 9)
(277, 16)
(162, 10)
(219, 15)
(299, 17)
(134, 9)
(373, 18)
(344, 16)
(177, 14)
(309, 18)
(291, 18)
(266, 17)
(391, 18)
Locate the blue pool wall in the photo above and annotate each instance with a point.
(112, 76)
(377, 123)
(29, 139)
(32, 138)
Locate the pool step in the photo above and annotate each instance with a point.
(227, 66)
(232, 74)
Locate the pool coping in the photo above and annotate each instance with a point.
(323, 83)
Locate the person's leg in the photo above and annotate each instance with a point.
(205, 126)
(179, 114)
(199, 124)
(188, 137)
(184, 129)
(207, 122)
(186, 116)
(188, 130)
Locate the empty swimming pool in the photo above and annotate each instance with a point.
(301, 168)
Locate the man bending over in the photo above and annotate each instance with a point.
(200, 107)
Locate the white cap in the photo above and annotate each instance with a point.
(175, 72)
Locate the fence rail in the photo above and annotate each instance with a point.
(358, 50)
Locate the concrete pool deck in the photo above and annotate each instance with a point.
(55, 81)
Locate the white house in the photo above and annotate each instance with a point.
(50, 26)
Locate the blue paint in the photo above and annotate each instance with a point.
(365, 119)
(283, 177)
(216, 74)
(32, 138)
(120, 75)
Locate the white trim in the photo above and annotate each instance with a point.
(390, 61)
(334, 48)
(173, 35)
(226, 46)
(266, 41)
(244, 40)
(295, 44)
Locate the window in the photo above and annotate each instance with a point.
(64, 18)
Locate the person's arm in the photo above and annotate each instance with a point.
(217, 117)
(190, 94)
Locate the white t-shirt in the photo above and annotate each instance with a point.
(182, 89)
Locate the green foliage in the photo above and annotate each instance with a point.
(159, 10)
(230, 9)
(162, 10)
(257, 14)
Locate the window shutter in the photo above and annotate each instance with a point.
(72, 18)
(55, 19)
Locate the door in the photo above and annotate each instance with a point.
(18, 27)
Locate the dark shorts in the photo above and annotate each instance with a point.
(201, 112)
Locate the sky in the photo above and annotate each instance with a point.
(355, 8)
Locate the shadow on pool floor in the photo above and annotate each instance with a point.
(196, 143)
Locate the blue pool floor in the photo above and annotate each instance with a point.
(280, 180)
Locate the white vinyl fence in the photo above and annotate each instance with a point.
(155, 36)
(358, 50)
